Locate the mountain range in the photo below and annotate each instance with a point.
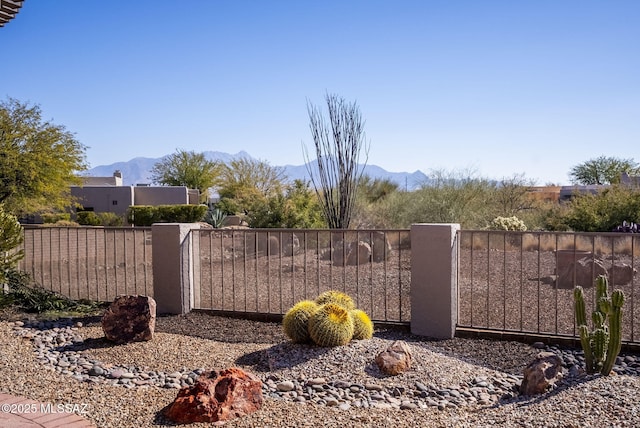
(138, 170)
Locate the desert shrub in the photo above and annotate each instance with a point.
(142, 215)
(50, 218)
(603, 211)
(65, 223)
(30, 297)
(88, 218)
(215, 217)
(11, 238)
(110, 219)
(507, 223)
(145, 215)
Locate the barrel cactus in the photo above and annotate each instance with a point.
(296, 321)
(331, 325)
(333, 296)
(362, 325)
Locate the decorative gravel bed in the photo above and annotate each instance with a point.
(458, 382)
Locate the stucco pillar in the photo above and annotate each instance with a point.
(174, 279)
(434, 280)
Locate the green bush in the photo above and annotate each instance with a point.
(142, 215)
(603, 211)
(33, 298)
(11, 238)
(145, 215)
(88, 218)
(110, 219)
(50, 218)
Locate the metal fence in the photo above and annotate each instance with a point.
(267, 271)
(89, 262)
(523, 281)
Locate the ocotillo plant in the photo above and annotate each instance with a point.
(602, 345)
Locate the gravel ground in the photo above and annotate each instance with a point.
(201, 340)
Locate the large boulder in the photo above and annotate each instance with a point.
(395, 359)
(541, 374)
(586, 270)
(621, 273)
(217, 396)
(130, 319)
(381, 247)
(359, 254)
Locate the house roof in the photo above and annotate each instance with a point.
(8, 10)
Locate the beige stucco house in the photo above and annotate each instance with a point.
(107, 194)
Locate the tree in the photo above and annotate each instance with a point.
(338, 144)
(602, 170)
(10, 239)
(38, 160)
(189, 169)
(246, 181)
(512, 195)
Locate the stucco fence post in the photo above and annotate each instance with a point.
(176, 288)
(434, 280)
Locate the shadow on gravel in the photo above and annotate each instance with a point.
(528, 400)
(284, 355)
(87, 345)
(221, 329)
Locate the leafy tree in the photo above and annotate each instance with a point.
(603, 211)
(602, 170)
(246, 181)
(10, 239)
(189, 169)
(338, 144)
(38, 160)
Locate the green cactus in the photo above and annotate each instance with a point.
(296, 321)
(331, 325)
(362, 325)
(585, 341)
(333, 296)
(602, 346)
(615, 331)
(581, 313)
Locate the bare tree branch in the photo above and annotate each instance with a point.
(338, 144)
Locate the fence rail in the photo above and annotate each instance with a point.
(508, 282)
(523, 281)
(268, 271)
(89, 262)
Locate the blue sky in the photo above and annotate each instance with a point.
(497, 87)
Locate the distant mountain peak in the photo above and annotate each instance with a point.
(138, 170)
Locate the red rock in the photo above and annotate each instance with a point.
(130, 319)
(217, 396)
(541, 374)
(396, 359)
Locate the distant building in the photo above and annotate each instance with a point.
(107, 194)
(562, 193)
